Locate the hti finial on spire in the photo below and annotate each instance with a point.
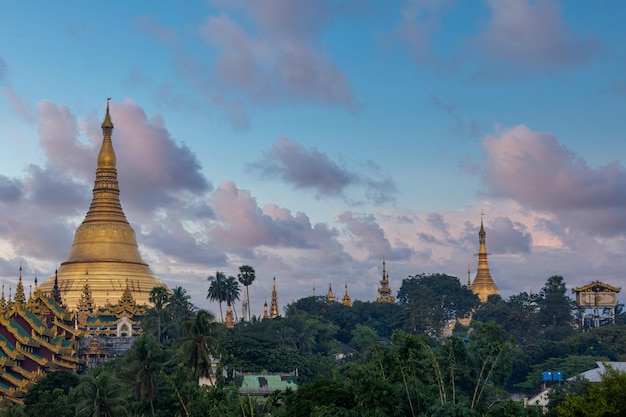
(107, 124)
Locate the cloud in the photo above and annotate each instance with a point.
(310, 169)
(535, 170)
(242, 223)
(369, 235)
(283, 59)
(10, 189)
(506, 236)
(421, 19)
(531, 33)
(149, 25)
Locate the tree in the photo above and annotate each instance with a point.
(159, 297)
(144, 357)
(555, 307)
(363, 337)
(231, 292)
(246, 277)
(101, 394)
(47, 396)
(199, 345)
(178, 311)
(433, 300)
(217, 290)
(604, 398)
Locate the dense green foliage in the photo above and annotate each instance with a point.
(370, 359)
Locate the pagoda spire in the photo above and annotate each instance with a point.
(346, 301)
(483, 285)
(265, 313)
(56, 293)
(19, 291)
(384, 291)
(3, 302)
(274, 306)
(230, 322)
(330, 297)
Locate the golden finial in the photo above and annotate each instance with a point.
(107, 123)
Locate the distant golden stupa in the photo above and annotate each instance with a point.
(483, 285)
(384, 291)
(104, 253)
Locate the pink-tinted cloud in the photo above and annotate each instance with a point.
(311, 169)
(369, 235)
(59, 138)
(531, 33)
(242, 223)
(19, 106)
(281, 58)
(535, 170)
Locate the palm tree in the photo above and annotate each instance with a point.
(216, 290)
(144, 357)
(231, 292)
(179, 310)
(199, 345)
(246, 276)
(159, 297)
(101, 394)
(304, 334)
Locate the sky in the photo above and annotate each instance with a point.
(314, 139)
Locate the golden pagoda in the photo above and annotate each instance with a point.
(483, 285)
(274, 306)
(384, 291)
(230, 321)
(105, 246)
(346, 301)
(330, 297)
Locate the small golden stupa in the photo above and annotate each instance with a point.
(483, 285)
(104, 252)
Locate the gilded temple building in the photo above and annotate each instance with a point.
(104, 252)
(37, 336)
(384, 291)
(483, 285)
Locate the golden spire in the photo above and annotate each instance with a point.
(3, 302)
(230, 322)
(329, 295)
(313, 295)
(19, 292)
(483, 285)
(104, 243)
(56, 293)
(384, 291)
(346, 301)
(274, 307)
(9, 302)
(265, 313)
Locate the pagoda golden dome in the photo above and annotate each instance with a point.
(104, 253)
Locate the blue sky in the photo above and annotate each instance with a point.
(314, 139)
